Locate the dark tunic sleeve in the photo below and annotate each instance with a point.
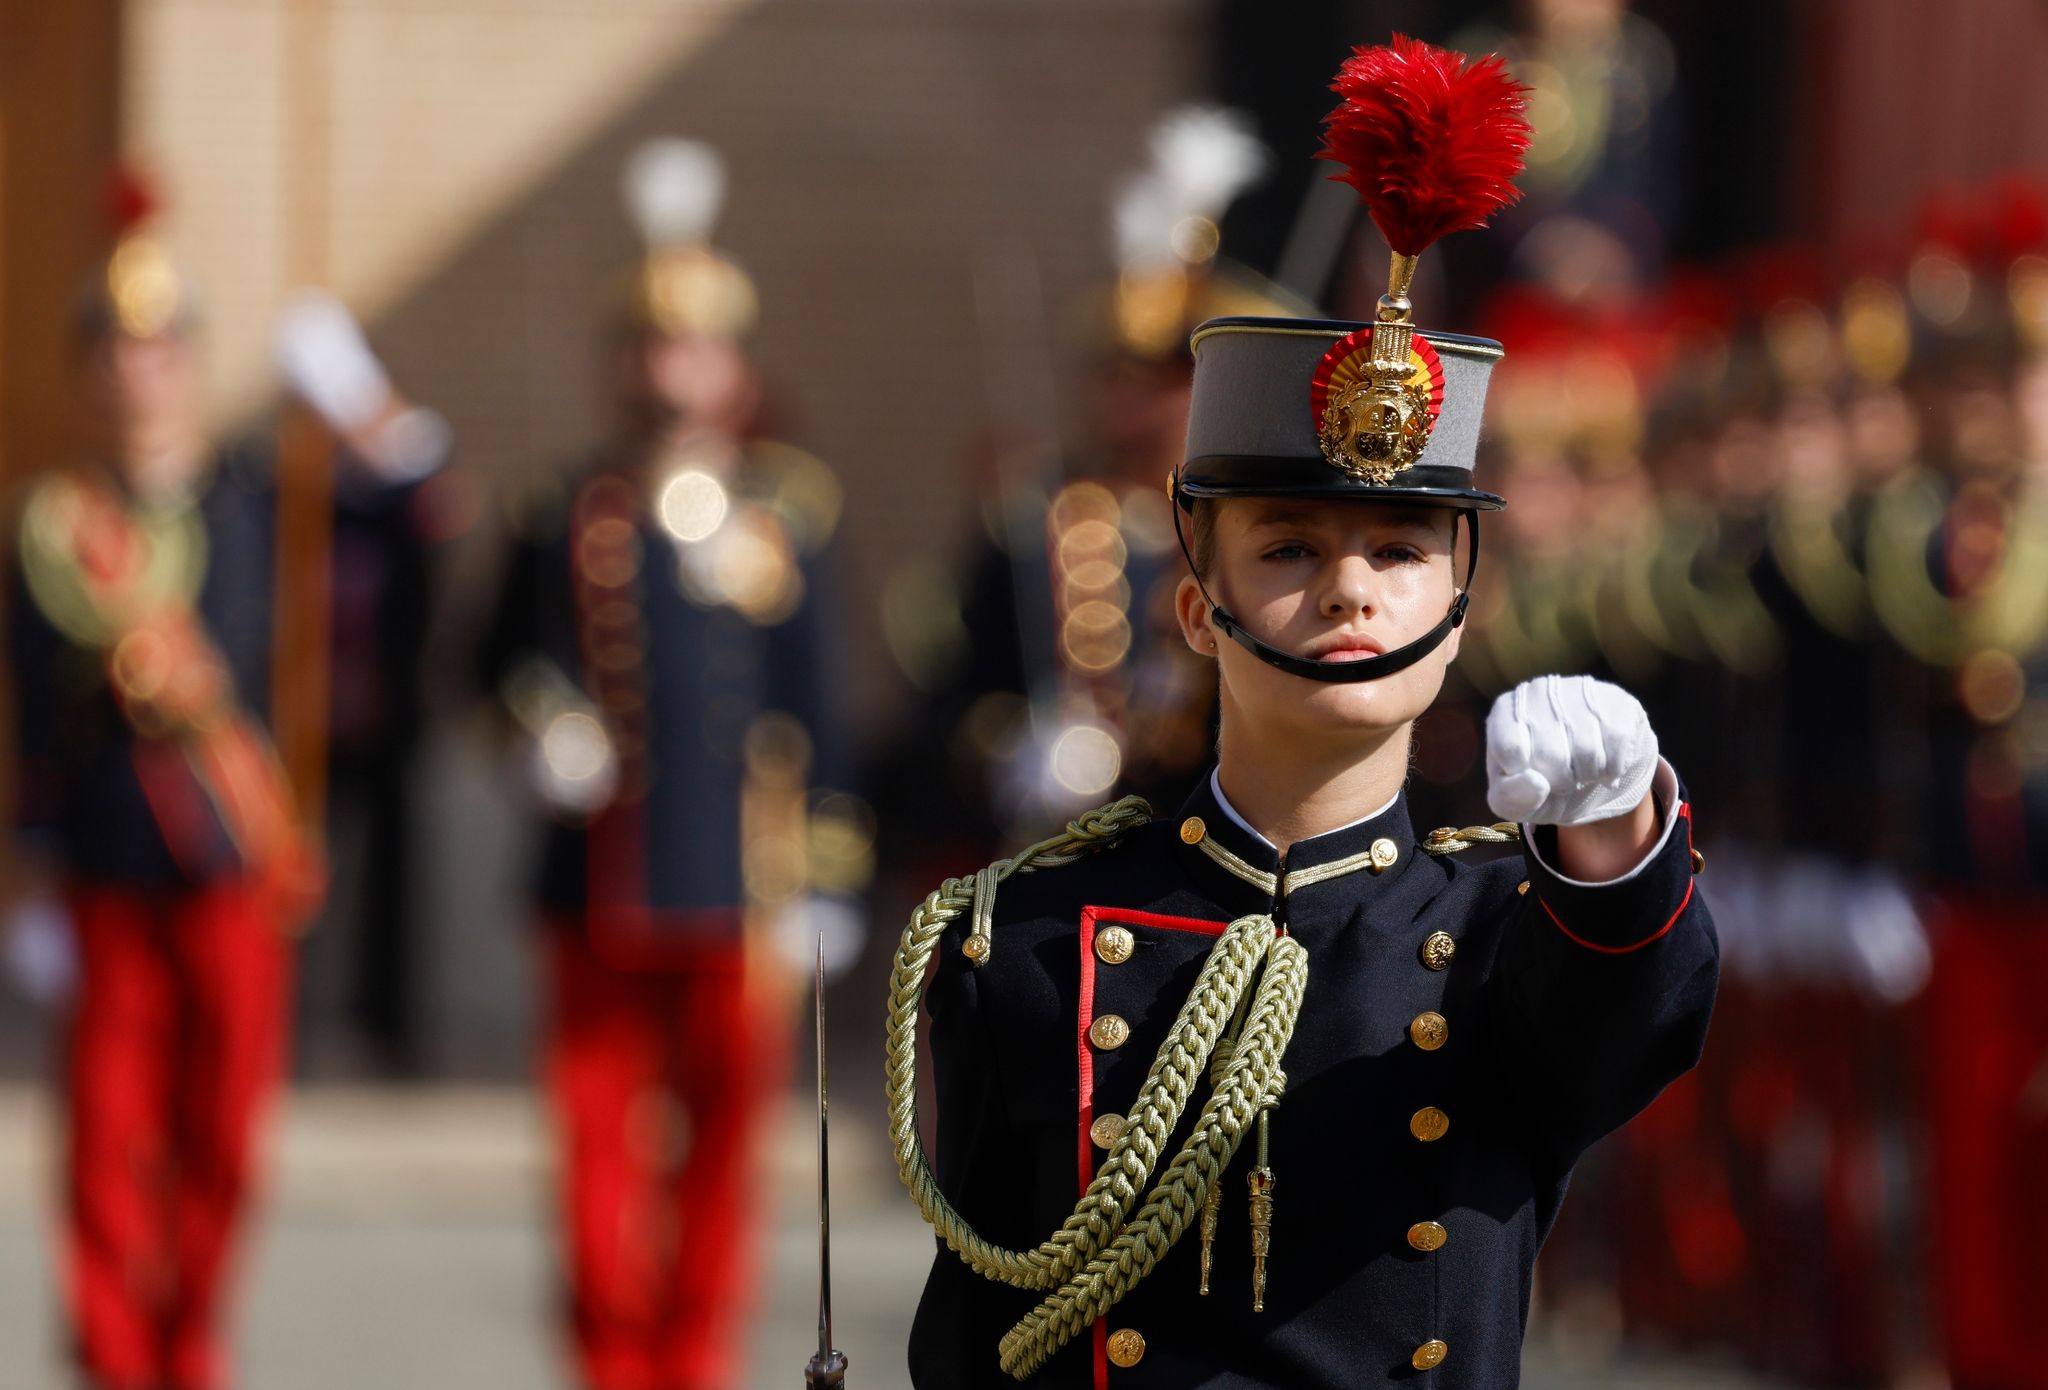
(1600, 995)
(34, 651)
(513, 630)
(984, 1167)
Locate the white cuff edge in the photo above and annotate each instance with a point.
(1664, 784)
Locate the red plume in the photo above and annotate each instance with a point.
(1432, 140)
(131, 198)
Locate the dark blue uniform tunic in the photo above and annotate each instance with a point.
(1568, 1008)
(706, 674)
(81, 799)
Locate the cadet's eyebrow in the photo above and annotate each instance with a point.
(1286, 516)
(1417, 520)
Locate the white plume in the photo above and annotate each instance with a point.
(1208, 155)
(674, 189)
(1202, 158)
(1144, 219)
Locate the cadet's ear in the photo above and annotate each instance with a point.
(1193, 611)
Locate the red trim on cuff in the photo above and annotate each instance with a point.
(1576, 939)
(1684, 814)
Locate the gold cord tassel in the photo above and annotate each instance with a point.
(1260, 1181)
(1211, 1205)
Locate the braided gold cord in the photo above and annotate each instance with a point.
(1452, 840)
(1252, 1082)
(1087, 1277)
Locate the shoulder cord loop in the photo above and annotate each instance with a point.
(1453, 840)
(1101, 1252)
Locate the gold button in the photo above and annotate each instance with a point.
(1699, 862)
(1427, 1236)
(1430, 1031)
(1109, 1032)
(1115, 944)
(1126, 1347)
(1438, 950)
(975, 948)
(1384, 853)
(1107, 1129)
(1429, 1356)
(1191, 832)
(1429, 1124)
(1523, 886)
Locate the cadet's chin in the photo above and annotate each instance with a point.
(1370, 707)
(1317, 709)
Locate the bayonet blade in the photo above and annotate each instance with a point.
(827, 1370)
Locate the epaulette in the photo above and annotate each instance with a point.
(172, 543)
(1088, 833)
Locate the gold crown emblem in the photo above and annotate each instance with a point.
(1376, 395)
(143, 287)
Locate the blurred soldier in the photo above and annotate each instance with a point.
(154, 815)
(1071, 678)
(662, 642)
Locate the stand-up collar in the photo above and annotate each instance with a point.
(1377, 847)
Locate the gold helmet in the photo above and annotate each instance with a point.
(139, 292)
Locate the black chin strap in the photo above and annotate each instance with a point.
(1369, 668)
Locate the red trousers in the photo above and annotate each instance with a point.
(658, 1215)
(176, 1040)
(1988, 1121)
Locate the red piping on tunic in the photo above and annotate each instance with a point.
(1091, 917)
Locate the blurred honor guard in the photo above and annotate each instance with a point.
(156, 816)
(1271, 1093)
(1070, 679)
(663, 644)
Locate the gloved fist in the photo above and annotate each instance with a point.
(325, 361)
(1568, 750)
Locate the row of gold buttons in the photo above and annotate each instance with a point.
(1113, 946)
(1429, 1031)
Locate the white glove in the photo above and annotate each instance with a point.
(572, 764)
(325, 362)
(1568, 750)
(41, 952)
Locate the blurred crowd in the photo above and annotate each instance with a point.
(1799, 507)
